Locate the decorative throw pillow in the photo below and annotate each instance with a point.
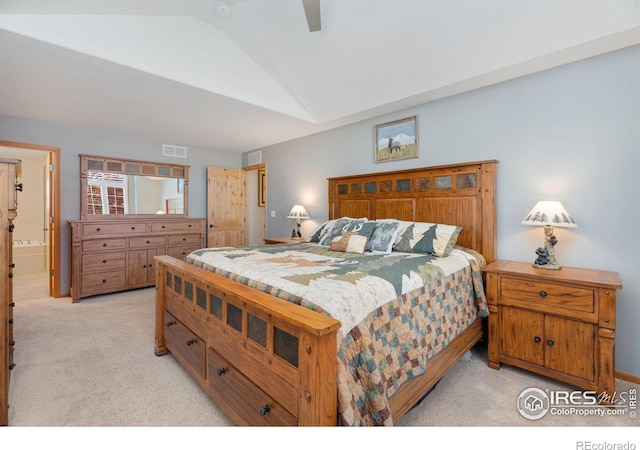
(383, 237)
(429, 238)
(342, 224)
(319, 233)
(354, 240)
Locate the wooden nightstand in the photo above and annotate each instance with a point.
(282, 240)
(557, 323)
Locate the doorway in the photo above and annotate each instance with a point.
(36, 236)
(257, 203)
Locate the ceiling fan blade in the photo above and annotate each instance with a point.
(312, 11)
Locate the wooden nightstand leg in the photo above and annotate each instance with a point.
(493, 346)
(606, 379)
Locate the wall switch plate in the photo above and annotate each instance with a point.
(273, 213)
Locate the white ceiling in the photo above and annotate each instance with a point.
(175, 70)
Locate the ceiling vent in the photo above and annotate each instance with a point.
(172, 150)
(254, 158)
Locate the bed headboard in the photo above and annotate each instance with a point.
(456, 194)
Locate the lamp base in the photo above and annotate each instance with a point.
(549, 266)
(546, 258)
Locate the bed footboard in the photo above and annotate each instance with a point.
(263, 360)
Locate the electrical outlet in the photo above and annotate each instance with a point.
(273, 213)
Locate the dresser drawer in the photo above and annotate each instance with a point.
(147, 241)
(184, 225)
(250, 402)
(181, 251)
(546, 296)
(103, 281)
(183, 239)
(104, 244)
(101, 229)
(185, 345)
(104, 261)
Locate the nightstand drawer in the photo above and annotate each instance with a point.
(558, 297)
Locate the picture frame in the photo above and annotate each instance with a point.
(262, 187)
(396, 140)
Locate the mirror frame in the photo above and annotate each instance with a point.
(96, 163)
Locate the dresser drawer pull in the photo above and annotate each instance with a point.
(148, 242)
(133, 228)
(12, 343)
(222, 371)
(104, 245)
(11, 366)
(104, 281)
(97, 229)
(184, 239)
(264, 410)
(543, 294)
(550, 342)
(12, 304)
(12, 265)
(104, 261)
(537, 339)
(191, 341)
(11, 321)
(171, 323)
(11, 275)
(19, 187)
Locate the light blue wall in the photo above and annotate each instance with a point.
(74, 141)
(570, 134)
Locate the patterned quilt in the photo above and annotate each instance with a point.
(397, 310)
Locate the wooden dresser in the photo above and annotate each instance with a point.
(558, 323)
(8, 207)
(110, 255)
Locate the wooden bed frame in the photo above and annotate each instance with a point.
(266, 361)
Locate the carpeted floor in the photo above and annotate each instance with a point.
(92, 364)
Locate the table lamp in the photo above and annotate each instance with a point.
(298, 212)
(548, 214)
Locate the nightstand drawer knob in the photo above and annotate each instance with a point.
(543, 294)
(550, 342)
(537, 339)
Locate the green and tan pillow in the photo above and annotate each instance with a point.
(428, 238)
(354, 239)
(339, 226)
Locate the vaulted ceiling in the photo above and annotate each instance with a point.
(243, 74)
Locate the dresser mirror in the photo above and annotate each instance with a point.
(113, 188)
